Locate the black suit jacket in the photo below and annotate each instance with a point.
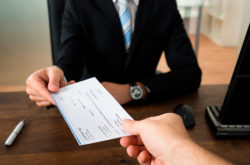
(92, 44)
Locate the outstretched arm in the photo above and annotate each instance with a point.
(164, 140)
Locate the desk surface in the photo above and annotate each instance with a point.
(46, 138)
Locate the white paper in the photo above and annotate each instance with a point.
(91, 112)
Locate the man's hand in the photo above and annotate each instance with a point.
(42, 82)
(154, 138)
(119, 91)
(164, 140)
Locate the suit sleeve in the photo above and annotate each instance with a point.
(71, 57)
(185, 74)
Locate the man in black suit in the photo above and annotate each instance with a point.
(95, 41)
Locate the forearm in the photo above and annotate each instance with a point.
(174, 83)
(185, 74)
(188, 152)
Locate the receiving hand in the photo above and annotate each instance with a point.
(42, 82)
(154, 138)
(164, 140)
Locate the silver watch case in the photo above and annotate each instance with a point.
(136, 92)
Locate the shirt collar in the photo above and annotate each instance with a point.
(135, 1)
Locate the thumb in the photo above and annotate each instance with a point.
(54, 81)
(131, 126)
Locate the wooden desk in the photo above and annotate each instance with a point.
(46, 138)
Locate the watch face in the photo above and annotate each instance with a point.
(136, 92)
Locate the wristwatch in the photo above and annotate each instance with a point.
(136, 91)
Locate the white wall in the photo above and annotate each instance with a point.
(245, 22)
(224, 27)
(24, 39)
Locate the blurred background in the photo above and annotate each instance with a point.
(216, 29)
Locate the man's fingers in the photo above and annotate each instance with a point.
(39, 87)
(29, 91)
(134, 150)
(144, 158)
(55, 79)
(41, 82)
(43, 103)
(130, 126)
(36, 98)
(130, 140)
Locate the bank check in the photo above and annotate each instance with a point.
(91, 112)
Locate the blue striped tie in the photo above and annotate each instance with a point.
(124, 15)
